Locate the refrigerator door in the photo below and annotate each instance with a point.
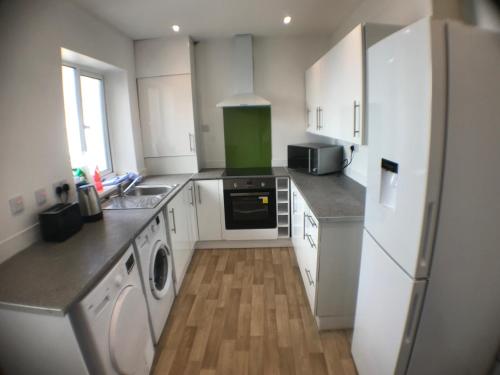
(459, 329)
(406, 118)
(388, 307)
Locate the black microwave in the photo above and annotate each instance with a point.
(316, 158)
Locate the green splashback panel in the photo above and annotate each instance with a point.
(247, 136)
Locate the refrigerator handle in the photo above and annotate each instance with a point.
(425, 252)
(411, 327)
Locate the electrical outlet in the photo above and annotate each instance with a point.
(41, 197)
(16, 205)
(56, 185)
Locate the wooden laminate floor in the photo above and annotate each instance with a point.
(244, 311)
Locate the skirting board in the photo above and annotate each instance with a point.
(243, 244)
(334, 322)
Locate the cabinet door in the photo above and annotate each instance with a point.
(297, 222)
(190, 203)
(208, 210)
(178, 225)
(348, 86)
(310, 258)
(312, 97)
(166, 114)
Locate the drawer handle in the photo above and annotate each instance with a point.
(311, 242)
(309, 217)
(309, 277)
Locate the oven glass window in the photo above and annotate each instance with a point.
(250, 209)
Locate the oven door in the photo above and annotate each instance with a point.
(250, 209)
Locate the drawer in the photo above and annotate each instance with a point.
(312, 228)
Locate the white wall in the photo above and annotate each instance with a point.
(33, 146)
(279, 68)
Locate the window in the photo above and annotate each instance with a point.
(86, 125)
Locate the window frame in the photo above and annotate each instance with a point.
(83, 71)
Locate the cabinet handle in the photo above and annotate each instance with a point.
(308, 124)
(311, 242)
(309, 217)
(320, 112)
(309, 277)
(294, 195)
(191, 148)
(174, 229)
(317, 118)
(192, 196)
(304, 226)
(199, 194)
(355, 121)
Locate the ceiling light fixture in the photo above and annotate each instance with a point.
(176, 28)
(287, 20)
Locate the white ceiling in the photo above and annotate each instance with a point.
(202, 19)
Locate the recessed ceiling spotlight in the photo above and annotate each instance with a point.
(176, 28)
(287, 20)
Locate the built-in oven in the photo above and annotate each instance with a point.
(250, 203)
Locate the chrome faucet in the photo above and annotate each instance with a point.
(131, 185)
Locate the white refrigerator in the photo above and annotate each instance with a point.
(429, 288)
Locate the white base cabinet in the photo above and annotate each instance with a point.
(208, 208)
(328, 255)
(182, 229)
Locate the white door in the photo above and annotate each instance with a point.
(166, 114)
(190, 201)
(129, 332)
(406, 120)
(387, 312)
(348, 86)
(179, 236)
(208, 210)
(312, 97)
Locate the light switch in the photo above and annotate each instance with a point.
(41, 196)
(205, 128)
(16, 205)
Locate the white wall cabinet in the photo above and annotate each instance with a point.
(167, 110)
(181, 233)
(328, 256)
(335, 86)
(208, 209)
(335, 90)
(167, 115)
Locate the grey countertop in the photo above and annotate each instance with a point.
(51, 277)
(334, 197)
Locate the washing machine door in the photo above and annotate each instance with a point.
(129, 331)
(160, 270)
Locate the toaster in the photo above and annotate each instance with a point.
(60, 221)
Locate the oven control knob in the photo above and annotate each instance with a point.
(235, 185)
(262, 184)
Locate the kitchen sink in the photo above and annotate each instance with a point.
(143, 196)
(146, 190)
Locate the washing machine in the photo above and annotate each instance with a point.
(156, 268)
(111, 323)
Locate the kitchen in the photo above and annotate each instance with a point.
(272, 271)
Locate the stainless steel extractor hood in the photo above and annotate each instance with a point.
(242, 67)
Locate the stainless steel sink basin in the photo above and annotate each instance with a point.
(143, 190)
(143, 196)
